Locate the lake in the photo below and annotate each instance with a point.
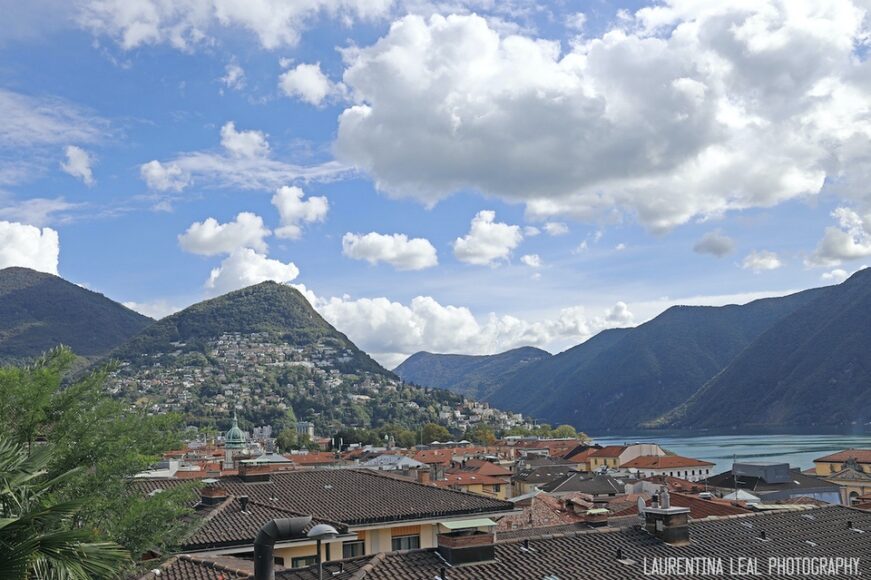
(798, 450)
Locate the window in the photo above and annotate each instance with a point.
(353, 549)
(303, 561)
(405, 543)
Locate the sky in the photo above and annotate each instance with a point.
(451, 176)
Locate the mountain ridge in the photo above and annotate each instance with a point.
(473, 375)
(39, 311)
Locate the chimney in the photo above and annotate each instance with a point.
(669, 524)
(253, 472)
(213, 495)
(467, 546)
(424, 476)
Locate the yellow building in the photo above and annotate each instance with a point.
(860, 459)
(850, 470)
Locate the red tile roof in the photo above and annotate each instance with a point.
(860, 455)
(609, 451)
(464, 479)
(699, 508)
(665, 462)
(678, 484)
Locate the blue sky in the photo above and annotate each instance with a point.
(682, 152)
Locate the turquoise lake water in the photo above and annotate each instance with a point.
(797, 450)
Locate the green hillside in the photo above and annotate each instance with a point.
(277, 310)
(39, 311)
(474, 376)
(813, 367)
(623, 378)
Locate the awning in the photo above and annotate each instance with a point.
(463, 524)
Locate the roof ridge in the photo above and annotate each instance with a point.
(369, 566)
(376, 473)
(212, 564)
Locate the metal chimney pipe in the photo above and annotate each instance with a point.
(264, 544)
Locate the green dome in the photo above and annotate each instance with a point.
(235, 438)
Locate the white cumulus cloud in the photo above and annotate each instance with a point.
(28, 247)
(156, 309)
(295, 211)
(487, 240)
(672, 115)
(531, 260)
(391, 331)
(851, 240)
(308, 83)
(211, 238)
(160, 177)
(247, 144)
(234, 76)
(556, 228)
(395, 249)
(245, 267)
(761, 260)
(78, 164)
(187, 24)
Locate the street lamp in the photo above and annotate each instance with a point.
(321, 532)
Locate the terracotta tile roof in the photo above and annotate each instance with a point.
(317, 458)
(483, 467)
(465, 479)
(609, 451)
(445, 455)
(665, 462)
(699, 508)
(860, 455)
(580, 456)
(353, 496)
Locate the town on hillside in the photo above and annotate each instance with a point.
(518, 507)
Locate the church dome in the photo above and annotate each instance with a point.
(235, 437)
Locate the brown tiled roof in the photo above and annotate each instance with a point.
(860, 455)
(227, 525)
(817, 532)
(609, 451)
(192, 567)
(801, 500)
(699, 508)
(591, 554)
(354, 496)
(665, 462)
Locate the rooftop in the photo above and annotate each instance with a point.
(665, 462)
(353, 496)
(860, 455)
(815, 532)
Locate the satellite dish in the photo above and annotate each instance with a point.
(641, 506)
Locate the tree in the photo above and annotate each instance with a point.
(38, 536)
(481, 434)
(434, 432)
(287, 439)
(564, 432)
(101, 444)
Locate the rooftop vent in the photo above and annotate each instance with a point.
(243, 503)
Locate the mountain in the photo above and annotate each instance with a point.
(622, 378)
(39, 311)
(474, 376)
(812, 367)
(278, 312)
